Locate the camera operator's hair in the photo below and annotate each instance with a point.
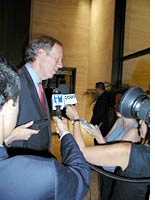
(9, 82)
(44, 42)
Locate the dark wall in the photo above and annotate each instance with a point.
(14, 29)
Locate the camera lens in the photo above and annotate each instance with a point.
(135, 104)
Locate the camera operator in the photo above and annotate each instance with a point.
(133, 160)
(33, 177)
(124, 129)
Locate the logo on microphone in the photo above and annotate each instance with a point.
(63, 100)
(58, 99)
(69, 99)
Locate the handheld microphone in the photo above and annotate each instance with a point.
(69, 99)
(57, 102)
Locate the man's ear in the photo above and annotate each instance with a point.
(40, 53)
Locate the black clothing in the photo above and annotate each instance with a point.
(100, 113)
(138, 167)
(106, 185)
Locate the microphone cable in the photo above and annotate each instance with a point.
(119, 178)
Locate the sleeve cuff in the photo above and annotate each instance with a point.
(64, 135)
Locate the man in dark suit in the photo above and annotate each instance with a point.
(31, 177)
(101, 108)
(43, 58)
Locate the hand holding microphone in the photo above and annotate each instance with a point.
(61, 125)
(72, 112)
(59, 101)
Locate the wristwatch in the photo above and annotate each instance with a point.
(75, 120)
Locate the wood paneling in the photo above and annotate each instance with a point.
(137, 72)
(137, 37)
(137, 26)
(101, 40)
(101, 43)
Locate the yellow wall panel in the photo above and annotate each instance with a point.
(101, 43)
(137, 72)
(137, 26)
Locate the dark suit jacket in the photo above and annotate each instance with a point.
(100, 112)
(30, 108)
(38, 178)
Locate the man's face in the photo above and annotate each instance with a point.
(51, 61)
(99, 91)
(10, 117)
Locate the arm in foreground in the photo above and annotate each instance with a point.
(21, 133)
(103, 155)
(73, 175)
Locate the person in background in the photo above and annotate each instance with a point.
(34, 177)
(101, 108)
(63, 87)
(43, 58)
(132, 159)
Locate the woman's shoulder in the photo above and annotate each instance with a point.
(119, 121)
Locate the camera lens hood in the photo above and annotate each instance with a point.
(131, 101)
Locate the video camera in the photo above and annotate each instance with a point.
(135, 103)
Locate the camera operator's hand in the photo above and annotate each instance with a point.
(143, 129)
(95, 132)
(72, 112)
(21, 133)
(62, 126)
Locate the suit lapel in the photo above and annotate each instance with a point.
(33, 92)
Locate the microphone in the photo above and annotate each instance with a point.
(57, 102)
(69, 99)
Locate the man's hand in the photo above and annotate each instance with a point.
(72, 112)
(21, 133)
(61, 125)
